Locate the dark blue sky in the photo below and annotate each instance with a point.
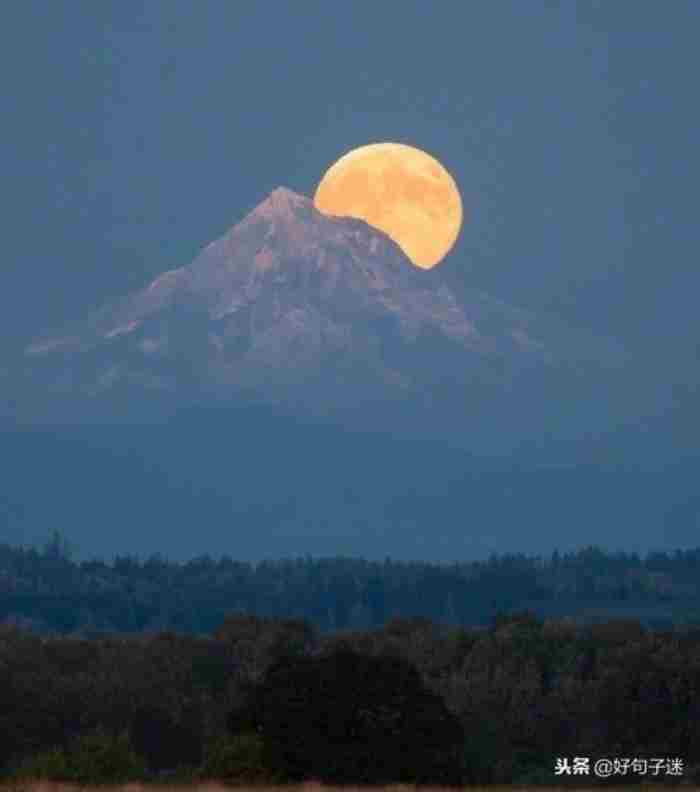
(134, 133)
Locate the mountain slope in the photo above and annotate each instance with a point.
(291, 306)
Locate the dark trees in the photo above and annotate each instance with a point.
(163, 743)
(345, 717)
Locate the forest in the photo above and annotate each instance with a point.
(42, 589)
(272, 700)
(345, 670)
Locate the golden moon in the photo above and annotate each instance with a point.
(400, 190)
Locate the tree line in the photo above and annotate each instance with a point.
(46, 591)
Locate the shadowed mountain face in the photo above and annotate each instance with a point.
(292, 307)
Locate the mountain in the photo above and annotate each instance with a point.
(295, 308)
(301, 387)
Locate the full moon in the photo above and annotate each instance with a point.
(400, 190)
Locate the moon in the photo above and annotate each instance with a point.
(400, 190)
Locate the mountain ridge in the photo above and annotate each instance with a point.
(293, 307)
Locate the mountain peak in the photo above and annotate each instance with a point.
(282, 200)
(282, 210)
(285, 194)
(291, 298)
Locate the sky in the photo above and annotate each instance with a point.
(134, 133)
